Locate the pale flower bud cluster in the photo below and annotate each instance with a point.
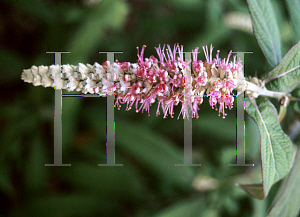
(168, 79)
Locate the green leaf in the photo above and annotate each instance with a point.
(294, 8)
(255, 190)
(276, 147)
(288, 203)
(296, 104)
(266, 29)
(188, 208)
(289, 81)
(106, 14)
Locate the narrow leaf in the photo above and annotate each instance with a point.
(255, 190)
(266, 29)
(294, 7)
(289, 81)
(288, 203)
(275, 146)
(92, 29)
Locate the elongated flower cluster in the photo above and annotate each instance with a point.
(169, 79)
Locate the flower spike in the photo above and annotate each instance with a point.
(140, 84)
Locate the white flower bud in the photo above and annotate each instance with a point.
(34, 70)
(99, 69)
(115, 77)
(83, 76)
(72, 85)
(133, 67)
(89, 85)
(234, 74)
(76, 75)
(67, 70)
(215, 72)
(165, 75)
(254, 94)
(82, 69)
(54, 69)
(123, 89)
(255, 80)
(27, 76)
(96, 89)
(108, 76)
(37, 80)
(92, 76)
(117, 69)
(179, 65)
(46, 81)
(59, 83)
(104, 82)
(43, 70)
(89, 67)
(228, 74)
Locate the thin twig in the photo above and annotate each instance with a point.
(294, 99)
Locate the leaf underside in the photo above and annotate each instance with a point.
(290, 80)
(266, 30)
(276, 147)
(288, 203)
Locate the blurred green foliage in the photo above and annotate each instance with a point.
(148, 184)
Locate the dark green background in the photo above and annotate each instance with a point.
(148, 184)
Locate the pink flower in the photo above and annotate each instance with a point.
(201, 80)
(166, 81)
(164, 78)
(162, 87)
(197, 101)
(208, 56)
(214, 96)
